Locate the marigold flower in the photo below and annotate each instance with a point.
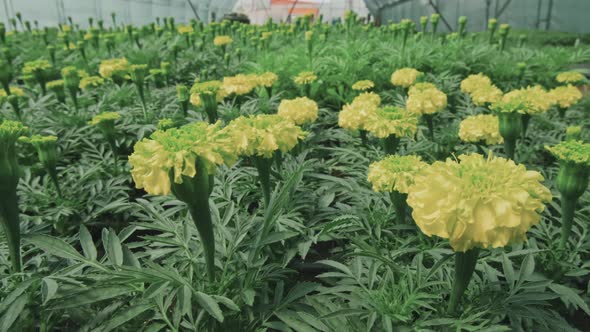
(240, 84)
(305, 77)
(486, 95)
(391, 120)
(477, 202)
(565, 96)
(14, 91)
(570, 77)
(104, 117)
(113, 67)
(573, 151)
(425, 98)
(207, 88)
(354, 115)
(91, 81)
(395, 173)
(263, 134)
(363, 85)
(474, 82)
(405, 77)
(534, 99)
(36, 66)
(300, 110)
(222, 40)
(478, 128)
(185, 29)
(267, 79)
(170, 154)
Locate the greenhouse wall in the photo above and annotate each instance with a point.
(52, 12)
(564, 15)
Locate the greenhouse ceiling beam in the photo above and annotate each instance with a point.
(442, 17)
(190, 3)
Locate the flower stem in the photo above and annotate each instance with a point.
(464, 267)
(509, 147)
(263, 166)
(390, 144)
(195, 193)
(363, 134)
(429, 118)
(526, 118)
(9, 218)
(399, 204)
(568, 208)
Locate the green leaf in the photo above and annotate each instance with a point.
(89, 296)
(184, 300)
(526, 269)
(11, 315)
(569, 296)
(56, 246)
(299, 291)
(508, 271)
(248, 296)
(231, 305)
(129, 258)
(278, 236)
(337, 265)
(209, 304)
(113, 248)
(12, 296)
(124, 316)
(87, 243)
(48, 289)
(294, 322)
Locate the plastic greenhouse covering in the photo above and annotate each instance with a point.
(556, 15)
(137, 12)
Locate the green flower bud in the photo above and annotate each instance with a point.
(573, 133)
(138, 73)
(10, 131)
(182, 93)
(165, 124)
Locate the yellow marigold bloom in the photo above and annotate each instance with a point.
(405, 77)
(363, 85)
(565, 96)
(266, 35)
(102, 117)
(308, 35)
(477, 202)
(172, 153)
(535, 99)
(35, 66)
(570, 77)
(240, 84)
(300, 110)
(267, 79)
(263, 134)
(395, 173)
(305, 77)
(113, 67)
(14, 91)
(55, 84)
(486, 95)
(478, 128)
(391, 120)
(185, 29)
(425, 98)
(209, 87)
(222, 40)
(571, 151)
(88, 36)
(354, 115)
(91, 81)
(474, 82)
